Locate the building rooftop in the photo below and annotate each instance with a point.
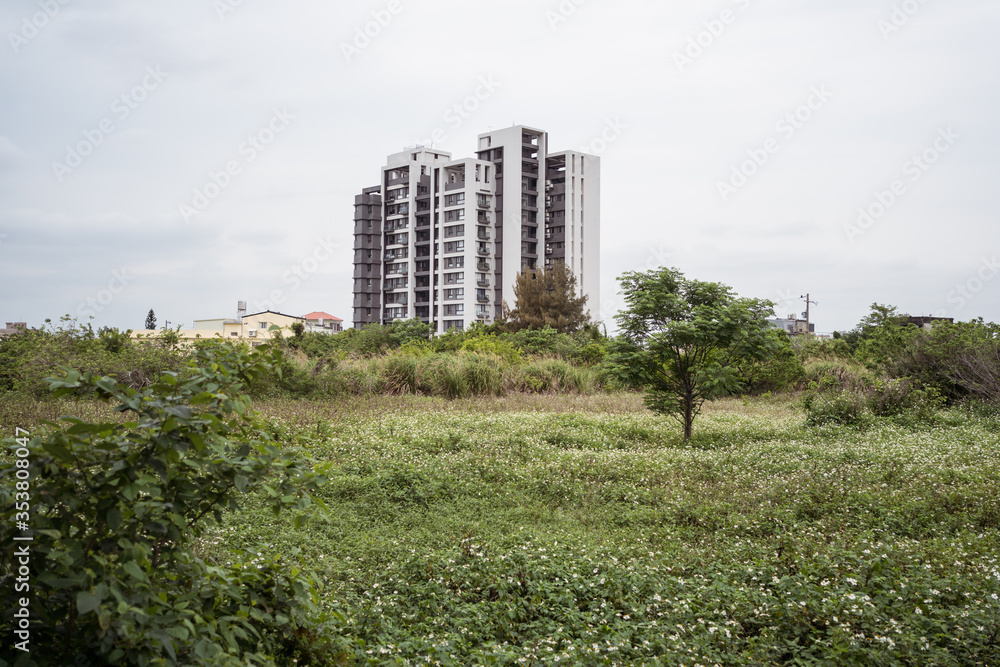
(320, 315)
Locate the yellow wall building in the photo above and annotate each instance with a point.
(255, 328)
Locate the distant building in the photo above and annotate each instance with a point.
(793, 326)
(255, 328)
(321, 322)
(443, 239)
(13, 329)
(926, 321)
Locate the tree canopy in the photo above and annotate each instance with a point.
(151, 321)
(681, 339)
(548, 299)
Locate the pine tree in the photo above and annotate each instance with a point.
(151, 321)
(548, 299)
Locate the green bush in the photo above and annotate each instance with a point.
(116, 508)
(838, 407)
(499, 347)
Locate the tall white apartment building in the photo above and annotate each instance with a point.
(443, 239)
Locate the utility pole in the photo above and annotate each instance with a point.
(808, 302)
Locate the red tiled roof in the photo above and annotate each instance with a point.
(320, 315)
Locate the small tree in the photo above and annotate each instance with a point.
(680, 339)
(548, 299)
(151, 321)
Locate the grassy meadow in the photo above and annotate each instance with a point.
(582, 530)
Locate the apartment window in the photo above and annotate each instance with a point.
(458, 325)
(399, 268)
(454, 216)
(454, 278)
(454, 200)
(456, 309)
(234, 334)
(454, 262)
(454, 231)
(583, 161)
(262, 326)
(454, 246)
(455, 294)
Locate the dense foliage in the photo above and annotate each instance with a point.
(888, 367)
(28, 358)
(115, 508)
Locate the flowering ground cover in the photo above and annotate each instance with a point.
(584, 531)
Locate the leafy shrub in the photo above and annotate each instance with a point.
(502, 348)
(843, 408)
(115, 510)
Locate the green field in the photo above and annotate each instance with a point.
(583, 530)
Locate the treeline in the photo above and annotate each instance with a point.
(884, 367)
(888, 367)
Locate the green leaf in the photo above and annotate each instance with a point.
(87, 602)
(114, 518)
(133, 569)
(58, 451)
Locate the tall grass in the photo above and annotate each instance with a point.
(451, 375)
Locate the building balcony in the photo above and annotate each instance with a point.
(483, 266)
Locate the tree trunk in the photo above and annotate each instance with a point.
(688, 416)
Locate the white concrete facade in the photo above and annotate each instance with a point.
(443, 239)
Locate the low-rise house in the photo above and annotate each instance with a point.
(793, 326)
(321, 322)
(255, 328)
(13, 329)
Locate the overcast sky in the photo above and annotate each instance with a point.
(182, 156)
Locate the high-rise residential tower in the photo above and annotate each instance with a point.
(443, 239)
